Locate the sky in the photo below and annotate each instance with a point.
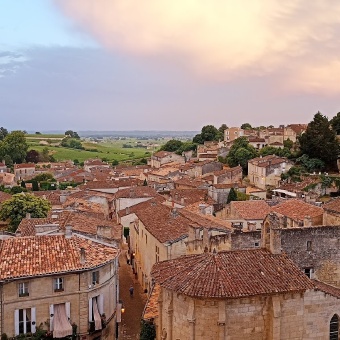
(167, 65)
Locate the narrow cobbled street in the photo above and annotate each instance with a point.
(130, 325)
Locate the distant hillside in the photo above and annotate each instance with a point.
(132, 134)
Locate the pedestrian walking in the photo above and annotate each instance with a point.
(131, 289)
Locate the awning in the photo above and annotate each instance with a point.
(62, 326)
(96, 315)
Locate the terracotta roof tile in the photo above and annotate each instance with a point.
(297, 209)
(151, 307)
(333, 205)
(328, 289)
(251, 210)
(231, 274)
(42, 255)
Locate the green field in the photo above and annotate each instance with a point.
(110, 150)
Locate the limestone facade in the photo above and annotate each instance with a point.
(290, 316)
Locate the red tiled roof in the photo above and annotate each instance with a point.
(160, 222)
(328, 289)
(297, 209)
(43, 255)
(231, 274)
(24, 165)
(4, 196)
(151, 307)
(333, 205)
(251, 210)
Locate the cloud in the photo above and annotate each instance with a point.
(223, 39)
(10, 62)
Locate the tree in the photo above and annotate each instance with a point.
(246, 126)
(38, 133)
(72, 134)
(335, 123)
(35, 185)
(148, 330)
(16, 208)
(3, 133)
(208, 133)
(45, 176)
(114, 162)
(15, 146)
(310, 164)
(232, 196)
(44, 155)
(288, 144)
(271, 150)
(240, 153)
(32, 156)
(172, 145)
(221, 130)
(319, 141)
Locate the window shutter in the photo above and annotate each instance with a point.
(33, 320)
(100, 302)
(68, 310)
(51, 317)
(90, 310)
(16, 321)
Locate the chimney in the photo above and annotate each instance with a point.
(28, 215)
(191, 233)
(182, 201)
(4, 161)
(82, 256)
(68, 231)
(174, 213)
(307, 221)
(275, 241)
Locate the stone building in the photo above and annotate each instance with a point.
(164, 157)
(241, 295)
(228, 176)
(332, 212)
(63, 284)
(296, 213)
(266, 171)
(24, 171)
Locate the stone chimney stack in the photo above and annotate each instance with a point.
(68, 231)
(82, 256)
(275, 241)
(28, 216)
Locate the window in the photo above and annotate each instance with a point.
(309, 245)
(24, 321)
(95, 277)
(309, 272)
(23, 289)
(157, 254)
(334, 328)
(59, 284)
(146, 238)
(256, 244)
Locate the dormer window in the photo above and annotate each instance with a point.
(23, 289)
(59, 284)
(95, 277)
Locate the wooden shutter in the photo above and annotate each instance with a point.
(100, 303)
(16, 321)
(68, 310)
(33, 320)
(51, 317)
(90, 310)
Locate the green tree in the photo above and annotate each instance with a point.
(148, 330)
(16, 208)
(246, 126)
(208, 133)
(232, 196)
(172, 145)
(44, 156)
(15, 146)
(221, 131)
(271, 150)
(319, 141)
(3, 133)
(72, 134)
(35, 185)
(17, 189)
(310, 164)
(45, 176)
(335, 123)
(240, 153)
(288, 143)
(23, 184)
(114, 162)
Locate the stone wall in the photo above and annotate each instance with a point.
(77, 291)
(288, 316)
(245, 240)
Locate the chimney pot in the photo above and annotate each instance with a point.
(68, 231)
